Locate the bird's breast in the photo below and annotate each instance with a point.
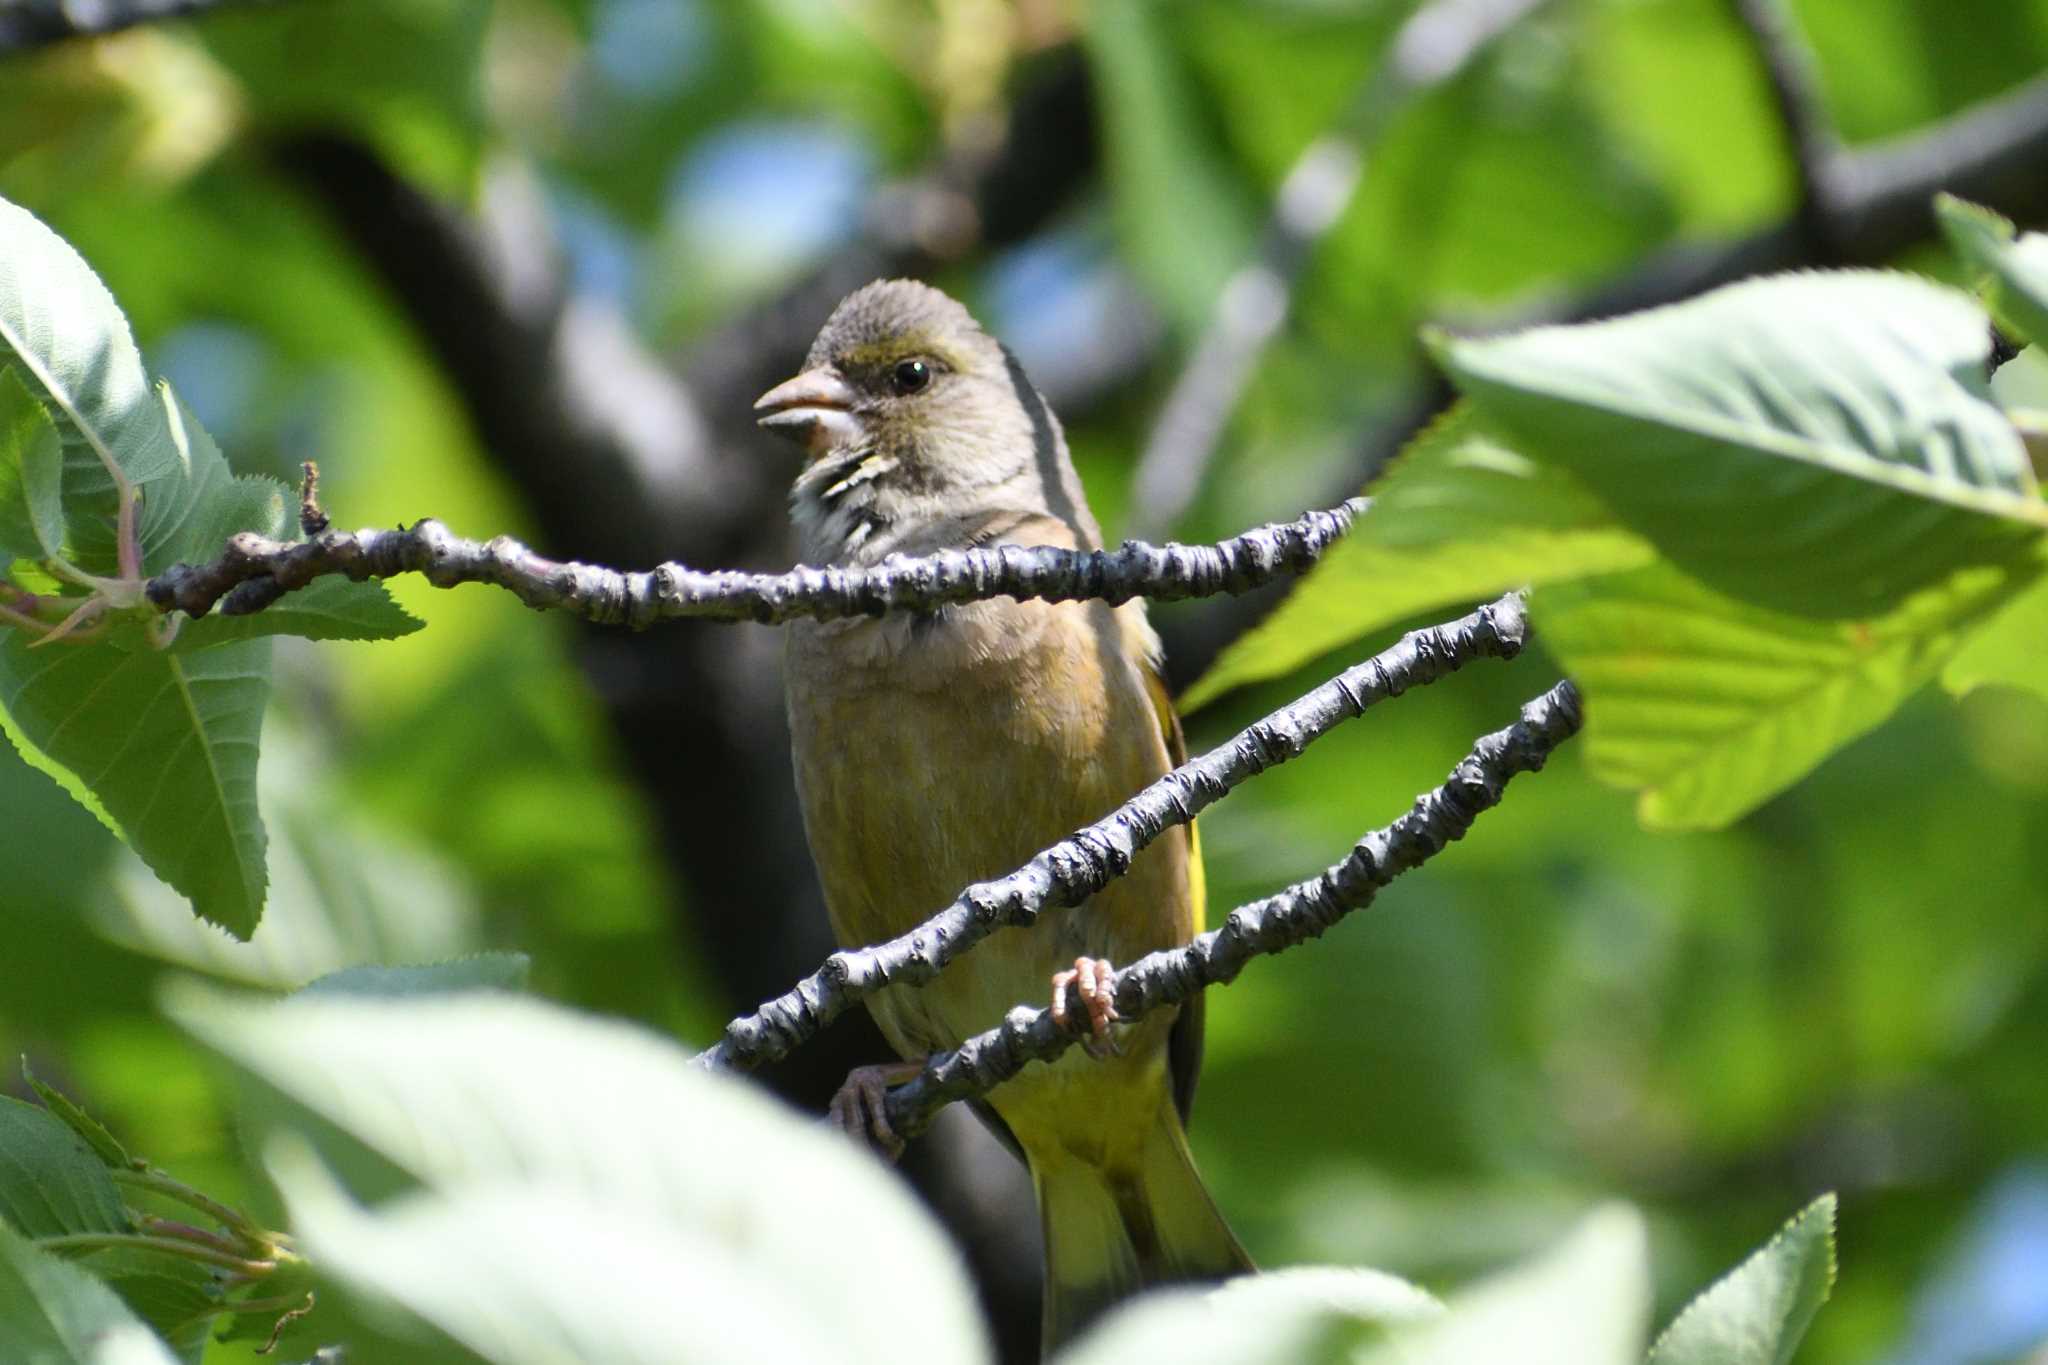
(934, 752)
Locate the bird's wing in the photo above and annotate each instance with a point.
(1177, 755)
(1184, 1044)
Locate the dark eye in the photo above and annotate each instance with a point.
(910, 375)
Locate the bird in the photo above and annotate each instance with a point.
(945, 746)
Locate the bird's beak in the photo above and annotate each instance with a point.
(815, 410)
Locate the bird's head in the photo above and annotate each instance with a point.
(909, 413)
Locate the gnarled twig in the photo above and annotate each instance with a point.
(1083, 863)
(1301, 912)
(255, 571)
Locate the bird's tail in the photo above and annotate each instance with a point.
(1109, 1234)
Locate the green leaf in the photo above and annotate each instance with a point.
(2016, 266)
(52, 1313)
(479, 971)
(178, 1299)
(1458, 518)
(162, 746)
(528, 1275)
(1709, 705)
(1183, 225)
(1756, 1314)
(343, 890)
(31, 474)
(2009, 649)
(1821, 444)
(326, 609)
(102, 1142)
(166, 743)
(51, 1183)
(1587, 1302)
(597, 1126)
(190, 516)
(64, 337)
(1305, 1316)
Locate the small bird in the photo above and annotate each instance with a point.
(938, 748)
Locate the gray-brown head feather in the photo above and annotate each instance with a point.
(930, 468)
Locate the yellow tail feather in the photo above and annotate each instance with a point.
(1110, 1234)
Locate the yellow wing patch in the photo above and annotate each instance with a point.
(1177, 754)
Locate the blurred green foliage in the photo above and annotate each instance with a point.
(1845, 991)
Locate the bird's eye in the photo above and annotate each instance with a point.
(910, 375)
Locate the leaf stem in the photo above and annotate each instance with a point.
(82, 1243)
(198, 1236)
(130, 548)
(87, 612)
(234, 1220)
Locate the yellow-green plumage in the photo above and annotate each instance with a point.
(937, 750)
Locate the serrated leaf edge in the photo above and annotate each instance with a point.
(1827, 1205)
(104, 1144)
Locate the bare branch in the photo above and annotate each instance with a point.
(26, 24)
(1301, 912)
(1087, 860)
(255, 571)
(1432, 47)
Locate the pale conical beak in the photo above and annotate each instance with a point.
(815, 410)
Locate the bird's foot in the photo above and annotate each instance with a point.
(1090, 977)
(860, 1108)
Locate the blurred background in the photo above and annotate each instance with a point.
(523, 265)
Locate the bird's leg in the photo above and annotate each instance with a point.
(860, 1109)
(1090, 978)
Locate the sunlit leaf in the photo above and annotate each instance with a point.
(51, 1183)
(64, 337)
(1709, 705)
(532, 1275)
(1822, 444)
(1457, 519)
(1304, 1316)
(592, 1120)
(1757, 1313)
(480, 971)
(1586, 1302)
